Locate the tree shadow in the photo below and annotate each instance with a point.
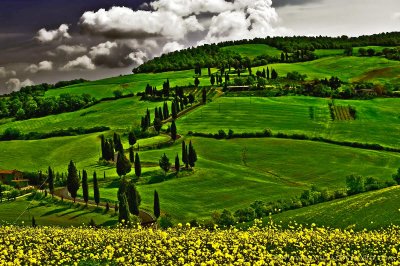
(54, 211)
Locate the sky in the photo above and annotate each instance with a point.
(52, 40)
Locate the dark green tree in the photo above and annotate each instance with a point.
(50, 180)
(132, 138)
(164, 163)
(192, 158)
(204, 96)
(123, 164)
(174, 110)
(212, 80)
(133, 198)
(177, 164)
(268, 74)
(184, 154)
(157, 124)
(72, 180)
(274, 74)
(173, 130)
(33, 221)
(196, 82)
(138, 166)
(156, 207)
(131, 155)
(96, 192)
(124, 216)
(85, 187)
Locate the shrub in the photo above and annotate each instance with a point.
(355, 184)
(165, 221)
(245, 215)
(221, 134)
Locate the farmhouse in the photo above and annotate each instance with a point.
(13, 178)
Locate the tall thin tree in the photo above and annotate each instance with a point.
(96, 191)
(138, 166)
(72, 180)
(50, 180)
(85, 187)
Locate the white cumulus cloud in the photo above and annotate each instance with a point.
(42, 66)
(15, 84)
(71, 49)
(47, 36)
(172, 47)
(123, 22)
(4, 73)
(80, 63)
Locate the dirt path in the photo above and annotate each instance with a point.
(146, 218)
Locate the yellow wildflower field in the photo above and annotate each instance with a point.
(184, 245)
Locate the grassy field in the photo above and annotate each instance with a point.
(132, 83)
(347, 68)
(371, 210)
(275, 169)
(118, 114)
(291, 115)
(20, 212)
(328, 52)
(253, 50)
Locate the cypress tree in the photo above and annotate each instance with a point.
(103, 147)
(85, 187)
(156, 115)
(138, 166)
(156, 207)
(50, 180)
(173, 130)
(131, 155)
(72, 180)
(160, 113)
(192, 155)
(204, 94)
(268, 76)
(132, 138)
(177, 164)
(133, 198)
(164, 163)
(184, 154)
(123, 165)
(196, 82)
(174, 111)
(157, 124)
(33, 221)
(124, 216)
(96, 192)
(212, 80)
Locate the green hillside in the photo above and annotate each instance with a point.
(118, 114)
(253, 50)
(371, 210)
(292, 115)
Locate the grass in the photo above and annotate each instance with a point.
(347, 68)
(118, 114)
(20, 212)
(276, 169)
(328, 52)
(132, 83)
(371, 210)
(253, 50)
(291, 115)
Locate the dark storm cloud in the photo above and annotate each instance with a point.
(282, 3)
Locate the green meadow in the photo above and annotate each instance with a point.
(372, 210)
(375, 118)
(253, 50)
(116, 114)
